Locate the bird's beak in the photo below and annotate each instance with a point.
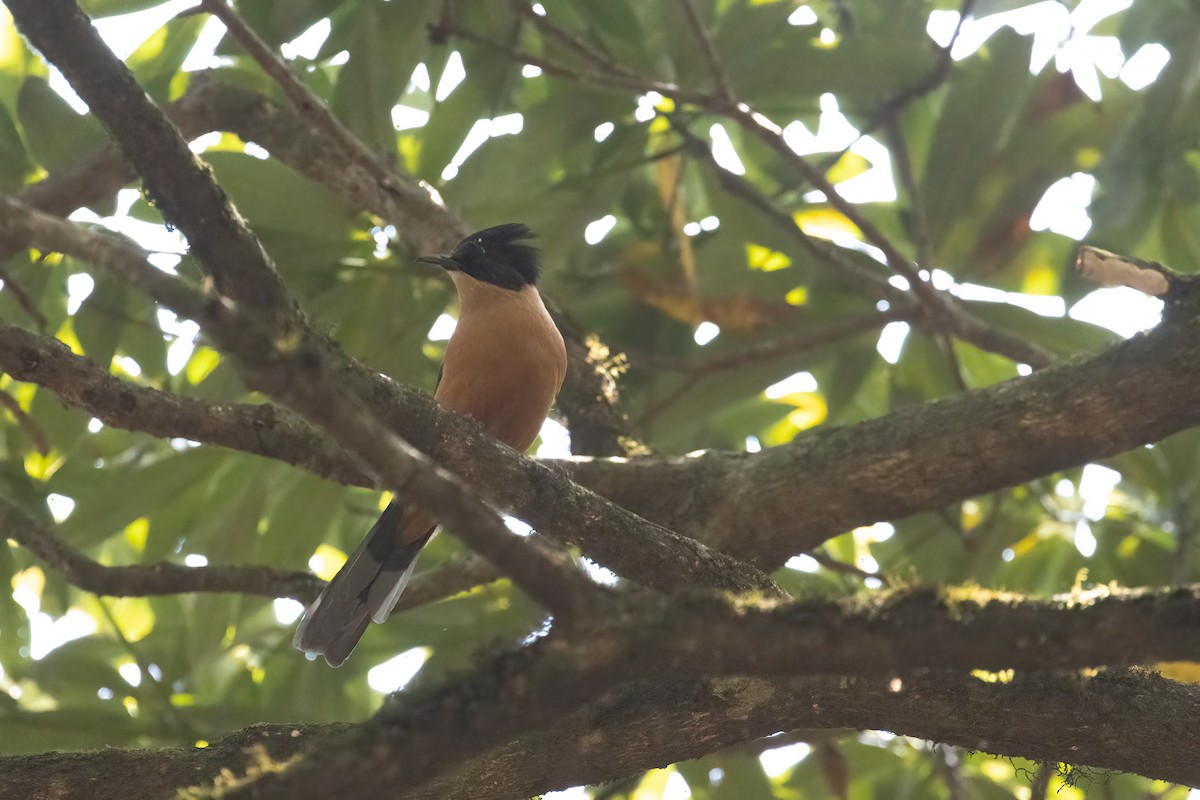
(446, 262)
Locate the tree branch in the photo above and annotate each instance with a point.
(262, 429)
(788, 499)
(307, 104)
(429, 586)
(700, 32)
(153, 579)
(1108, 721)
(519, 692)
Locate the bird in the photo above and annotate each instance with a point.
(503, 366)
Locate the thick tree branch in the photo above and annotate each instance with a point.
(893, 643)
(1125, 720)
(788, 499)
(517, 693)
(262, 429)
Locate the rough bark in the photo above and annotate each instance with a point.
(1124, 720)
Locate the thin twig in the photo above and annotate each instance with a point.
(41, 442)
(772, 136)
(162, 693)
(873, 283)
(719, 75)
(602, 61)
(151, 580)
(841, 567)
(23, 300)
(887, 113)
(613, 79)
(936, 77)
(765, 351)
(308, 105)
(762, 351)
(943, 317)
(918, 222)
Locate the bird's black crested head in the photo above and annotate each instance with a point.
(495, 255)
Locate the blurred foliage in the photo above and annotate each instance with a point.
(982, 147)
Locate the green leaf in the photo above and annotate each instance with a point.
(57, 136)
(1060, 335)
(101, 320)
(982, 106)
(157, 61)
(108, 8)
(14, 161)
(386, 45)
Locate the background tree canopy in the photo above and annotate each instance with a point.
(887, 498)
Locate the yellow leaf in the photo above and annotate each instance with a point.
(825, 223)
(972, 515)
(653, 785)
(810, 411)
(998, 771)
(668, 174)
(42, 467)
(1087, 158)
(847, 167)
(1040, 280)
(1128, 547)
(27, 588)
(134, 616)
(1025, 545)
(797, 296)
(66, 335)
(326, 562)
(137, 532)
(203, 361)
(765, 259)
(178, 85)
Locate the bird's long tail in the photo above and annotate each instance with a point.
(367, 586)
